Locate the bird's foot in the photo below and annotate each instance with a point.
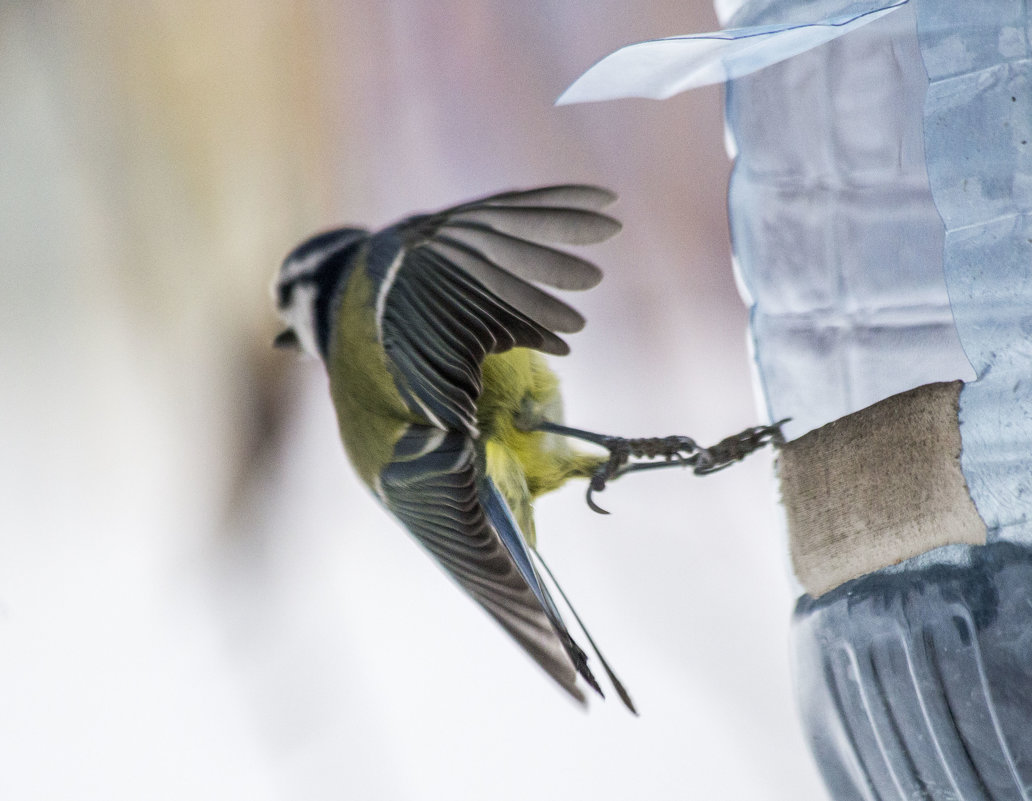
(736, 447)
(676, 451)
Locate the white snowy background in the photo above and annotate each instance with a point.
(197, 597)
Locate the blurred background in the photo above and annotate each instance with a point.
(197, 597)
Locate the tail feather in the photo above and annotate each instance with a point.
(617, 684)
(501, 518)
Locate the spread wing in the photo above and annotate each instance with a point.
(450, 288)
(454, 286)
(438, 497)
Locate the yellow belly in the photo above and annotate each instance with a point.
(520, 390)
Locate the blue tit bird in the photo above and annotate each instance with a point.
(432, 332)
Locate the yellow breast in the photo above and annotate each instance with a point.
(519, 391)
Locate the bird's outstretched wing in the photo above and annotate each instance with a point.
(450, 288)
(437, 496)
(454, 286)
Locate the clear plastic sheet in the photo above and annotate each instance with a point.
(836, 236)
(660, 68)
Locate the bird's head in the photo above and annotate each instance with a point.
(309, 279)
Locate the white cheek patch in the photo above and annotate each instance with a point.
(300, 316)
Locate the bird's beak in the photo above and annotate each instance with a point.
(287, 340)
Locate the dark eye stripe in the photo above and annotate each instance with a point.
(312, 255)
(328, 280)
(284, 293)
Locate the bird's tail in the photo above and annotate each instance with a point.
(502, 520)
(617, 684)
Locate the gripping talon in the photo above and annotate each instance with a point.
(683, 451)
(598, 483)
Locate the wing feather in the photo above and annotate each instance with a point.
(435, 496)
(451, 288)
(543, 223)
(578, 196)
(528, 260)
(546, 310)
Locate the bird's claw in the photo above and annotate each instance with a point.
(682, 449)
(598, 483)
(621, 450)
(736, 447)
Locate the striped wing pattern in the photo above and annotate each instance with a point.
(436, 496)
(452, 287)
